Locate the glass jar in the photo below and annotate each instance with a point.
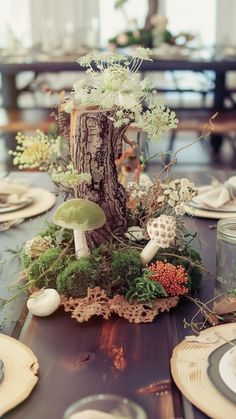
(105, 405)
(225, 286)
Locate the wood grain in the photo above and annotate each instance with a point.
(189, 365)
(20, 369)
(94, 146)
(113, 356)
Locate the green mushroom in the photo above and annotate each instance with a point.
(80, 215)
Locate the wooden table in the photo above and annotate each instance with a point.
(11, 66)
(112, 356)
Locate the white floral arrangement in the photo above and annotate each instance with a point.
(151, 258)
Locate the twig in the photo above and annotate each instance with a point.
(207, 129)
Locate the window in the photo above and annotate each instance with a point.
(112, 21)
(193, 16)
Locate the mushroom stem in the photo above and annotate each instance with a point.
(81, 247)
(149, 252)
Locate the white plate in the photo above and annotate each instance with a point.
(217, 215)
(226, 367)
(28, 201)
(43, 201)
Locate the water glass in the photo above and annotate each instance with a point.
(225, 285)
(112, 406)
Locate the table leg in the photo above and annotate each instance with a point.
(219, 95)
(9, 91)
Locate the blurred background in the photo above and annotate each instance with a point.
(194, 65)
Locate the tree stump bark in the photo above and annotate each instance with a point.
(94, 146)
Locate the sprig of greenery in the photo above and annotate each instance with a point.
(144, 290)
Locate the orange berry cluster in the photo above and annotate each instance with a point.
(173, 278)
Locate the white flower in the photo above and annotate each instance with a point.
(171, 203)
(184, 194)
(126, 100)
(179, 209)
(174, 196)
(142, 53)
(69, 106)
(184, 182)
(144, 180)
(160, 199)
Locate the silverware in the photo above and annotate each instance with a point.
(6, 225)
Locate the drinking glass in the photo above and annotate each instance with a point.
(225, 286)
(116, 406)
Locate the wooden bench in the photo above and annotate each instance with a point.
(12, 121)
(224, 123)
(198, 121)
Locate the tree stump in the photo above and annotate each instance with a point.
(94, 147)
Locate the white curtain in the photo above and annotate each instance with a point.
(225, 23)
(58, 19)
(32, 21)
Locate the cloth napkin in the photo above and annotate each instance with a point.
(13, 192)
(217, 194)
(10, 186)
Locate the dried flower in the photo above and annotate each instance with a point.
(37, 246)
(174, 279)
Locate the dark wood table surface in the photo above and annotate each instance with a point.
(111, 356)
(11, 66)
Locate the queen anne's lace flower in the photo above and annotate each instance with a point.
(70, 178)
(117, 85)
(35, 152)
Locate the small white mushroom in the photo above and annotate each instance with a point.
(44, 302)
(134, 233)
(162, 231)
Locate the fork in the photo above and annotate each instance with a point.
(6, 225)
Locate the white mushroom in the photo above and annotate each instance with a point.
(44, 302)
(162, 231)
(134, 233)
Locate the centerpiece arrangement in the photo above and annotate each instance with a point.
(112, 247)
(154, 33)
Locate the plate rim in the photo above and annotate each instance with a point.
(16, 207)
(213, 371)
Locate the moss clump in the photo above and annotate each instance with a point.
(75, 279)
(126, 265)
(26, 261)
(44, 270)
(101, 258)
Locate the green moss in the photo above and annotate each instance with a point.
(76, 278)
(126, 264)
(101, 258)
(26, 261)
(44, 270)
